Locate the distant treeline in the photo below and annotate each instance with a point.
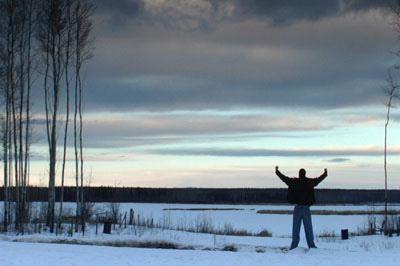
(209, 195)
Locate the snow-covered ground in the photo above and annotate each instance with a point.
(365, 251)
(207, 249)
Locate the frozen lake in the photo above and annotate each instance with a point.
(239, 217)
(246, 216)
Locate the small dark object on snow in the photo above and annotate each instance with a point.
(107, 227)
(345, 234)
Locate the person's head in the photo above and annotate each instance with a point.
(302, 173)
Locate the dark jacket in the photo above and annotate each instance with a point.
(301, 189)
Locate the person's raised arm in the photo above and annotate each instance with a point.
(284, 178)
(321, 177)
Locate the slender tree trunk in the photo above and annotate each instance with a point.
(5, 160)
(28, 97)
(53, 138)
(21, 106)
(78, 205)
(385, 160)
(46, 44)
(83, 12)
(78, 112)
(13, 90)
(5, 173)
(76, 126)
(67, 82)
(6, 138)
(81, 153)
(391, 91)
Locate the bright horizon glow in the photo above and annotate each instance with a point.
(199, 157)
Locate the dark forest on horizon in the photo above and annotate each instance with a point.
(211, 195)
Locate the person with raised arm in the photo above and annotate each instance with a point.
(301, 195)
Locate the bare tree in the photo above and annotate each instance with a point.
(64, 38)
(52, 36)
(16, 57)
(67, 65)
(83, 51)
(5, 36)
(31, 11)
(62, 29)
(26, 14)
(4, 86)
(392, 92)
(9, 38)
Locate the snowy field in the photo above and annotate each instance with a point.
(208, 249)
(247, 217)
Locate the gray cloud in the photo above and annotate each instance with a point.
(242, 63)
(150, 129)
(153, 129)
(231, 94)
(338, 160)
(206, 14)
(121, 11)
(287, 12)
(272, 152)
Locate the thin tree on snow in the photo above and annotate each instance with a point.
(392, 93)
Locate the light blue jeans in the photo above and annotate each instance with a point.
(302, 213)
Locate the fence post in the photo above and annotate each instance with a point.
(107, 227)
(131, 216)
(71, 228)
(398, 226)
(97, 222)
(345, 234)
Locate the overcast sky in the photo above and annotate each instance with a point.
(215, 93)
